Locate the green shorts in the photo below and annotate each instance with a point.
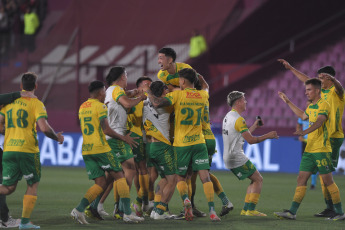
(164, 158)
(149, 163)
(313, 162)
(96, 164)
(121, 149)
(194, 155)
(336, 144)
(211, 149)
(244, 171)
(139, 151)
(18, 164)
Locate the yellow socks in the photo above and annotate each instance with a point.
(122, 188)
(209, 193)
(116, 194)
(297, 199)
(253, 200)
(29, 202)
(216, 184)
(90, 196)
(182, 188)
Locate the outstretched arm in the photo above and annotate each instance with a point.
(292, 106)
(257, 139)
(337, 85)
(301, 76)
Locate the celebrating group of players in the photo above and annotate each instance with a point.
(163, 128)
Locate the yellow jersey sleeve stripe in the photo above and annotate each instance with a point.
(117, 99)
(102, 117)
(244, 130)
(168, 100)
(46, 117)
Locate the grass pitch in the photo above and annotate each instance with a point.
(61, 189)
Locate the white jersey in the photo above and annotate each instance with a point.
(1, 141)
(117, 114)
(160, 118)
(233, 127)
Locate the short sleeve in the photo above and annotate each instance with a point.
(324, 109)
(173, 96)
(241, 125)
(40, 111)
(102, 111)
(117, 93)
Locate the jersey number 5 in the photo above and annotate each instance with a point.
(88, 128)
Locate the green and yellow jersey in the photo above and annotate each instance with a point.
(20, 124)
(91, 113)
(172, 79)
(189, 107)
(318, 140)
(336, 112)
(206, 125)
(135, 119)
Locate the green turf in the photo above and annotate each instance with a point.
(61, 189)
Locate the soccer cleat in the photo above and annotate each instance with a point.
(10, 223)
(198, 213)
(243, 212)
(102, 212)
(29, 225)
(78, 216)
(337, 217)
(226, 209)
(326, 213)
(147, 207)
(132, 218)
(254, 213)
(164, 216)
(180, 216)
(137, 208)
(92, 213)
(116, 213)
(188, 210)
(213, 216)
(286, 214)
(153, 213)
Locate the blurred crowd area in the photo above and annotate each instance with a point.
(20, 21)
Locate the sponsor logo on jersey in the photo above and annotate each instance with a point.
(193, 95)
(191, 138)
(201, 161)
(182, 168)
(87, 147)
(28, 177)
(105, 167)
(86, 104)
(6, 177)
(16, 142)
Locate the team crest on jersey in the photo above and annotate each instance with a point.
(193, 95)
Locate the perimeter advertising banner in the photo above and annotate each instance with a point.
(282, 155)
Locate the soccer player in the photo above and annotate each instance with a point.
(119, 103)
(161, 153)
(211, 149)
(333, 92)
(97, 154)
(189, 143)
(317, 155)
(169, 68)
(235, 132)
(21, 153)
(134, 123)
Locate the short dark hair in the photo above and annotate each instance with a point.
(313, 81)
(157, 88)
(114, 74)
(233, 97)
(328, 70)
(95, 85)
(29, 81)
(168, 52)
(141, 79)
(189, 74)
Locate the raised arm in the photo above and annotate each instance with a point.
(301, 76)
(337, 85)
(292, 106)
(48, 131)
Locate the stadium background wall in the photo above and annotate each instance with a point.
(282, 155)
